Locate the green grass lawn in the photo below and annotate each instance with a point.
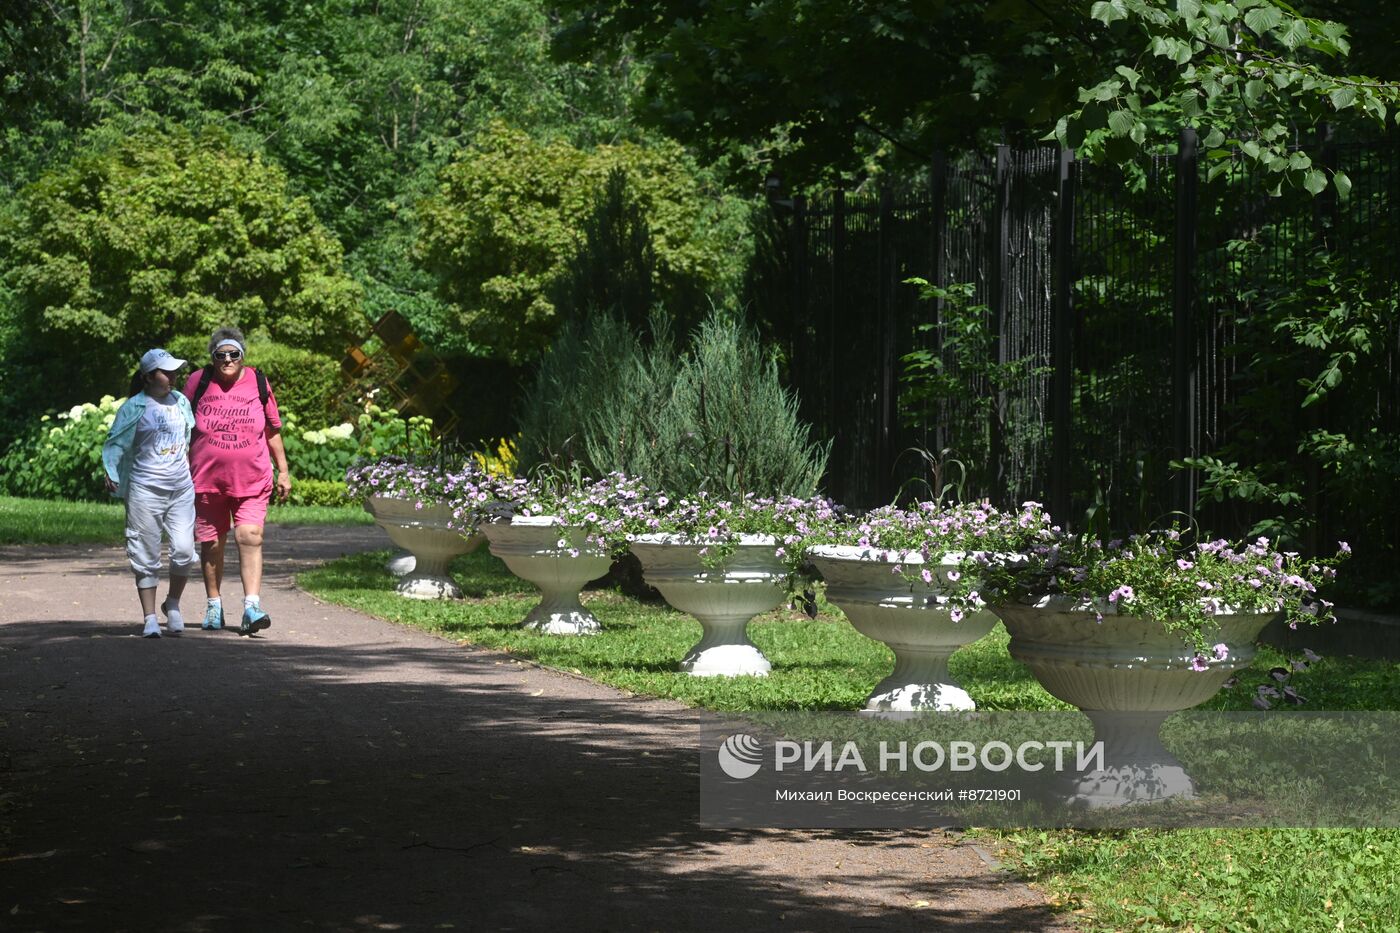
(39, 521)
(817, 663)
(1251, 879)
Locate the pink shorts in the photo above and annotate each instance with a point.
(213, 511)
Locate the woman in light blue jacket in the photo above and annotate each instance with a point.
(146, 459)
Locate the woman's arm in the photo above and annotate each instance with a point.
(279, 454)
(117, 444)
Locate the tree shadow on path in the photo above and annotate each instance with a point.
(346, 774)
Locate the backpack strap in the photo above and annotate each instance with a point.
(208, 373)
(205, 375)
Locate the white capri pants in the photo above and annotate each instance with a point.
(149, 512)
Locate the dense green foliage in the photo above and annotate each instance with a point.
(168, 234)
(318, 492)
(1247, 73)
(356, 100)
(815, 87)
(323, 454)
(615, 268)
(714, 418)
(352, 107)
(594, 369)
(741, 431)
(511, 211)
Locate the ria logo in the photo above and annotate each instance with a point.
(741, 756)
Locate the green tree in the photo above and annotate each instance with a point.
(361, 103)
(162, 235)
(343, 83)
(615, 268)
(825, 87)
(512, 212)
(818, 88)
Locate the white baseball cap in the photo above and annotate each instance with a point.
(159, 359)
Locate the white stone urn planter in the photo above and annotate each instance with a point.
(530, 547)
(723, 599)
(917, 626)
(1128, 675)
(426, 535)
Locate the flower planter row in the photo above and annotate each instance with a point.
(1104, 663)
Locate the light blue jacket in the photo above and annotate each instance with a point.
(116, 452)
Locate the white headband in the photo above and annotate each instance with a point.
(227, 340)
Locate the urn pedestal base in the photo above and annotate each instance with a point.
(724, 650)
(920, 682)
(562, 616)
(1137, 766)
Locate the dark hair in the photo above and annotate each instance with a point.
(138, 382)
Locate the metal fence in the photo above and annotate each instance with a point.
(1112, 298)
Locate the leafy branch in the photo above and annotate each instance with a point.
(1235, 64)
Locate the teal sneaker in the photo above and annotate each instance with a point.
(213, 617)
(254, 620)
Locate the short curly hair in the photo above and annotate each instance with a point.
(224, 335)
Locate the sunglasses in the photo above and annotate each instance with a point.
(227, 356)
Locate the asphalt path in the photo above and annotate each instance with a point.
(340, 772)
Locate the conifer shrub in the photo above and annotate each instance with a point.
(738, 428)
(715, 418)
(595, 367)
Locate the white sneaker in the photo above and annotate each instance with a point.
(175, 623)
(152, 629)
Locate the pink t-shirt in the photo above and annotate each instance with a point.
(228, 451)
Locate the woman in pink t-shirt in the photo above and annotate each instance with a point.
(236, 428)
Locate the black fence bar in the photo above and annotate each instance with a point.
(1183, 374)
(887, 393)
(997, 282)
(1062, 347)
(937, 268)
